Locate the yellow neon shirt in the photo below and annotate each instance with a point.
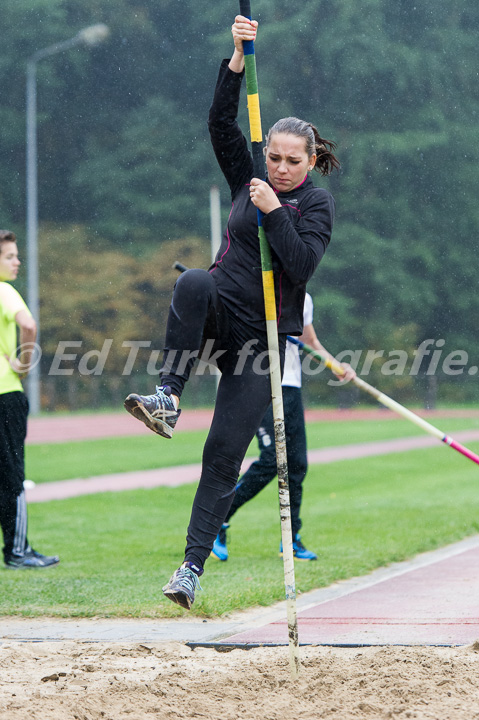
(11, 302)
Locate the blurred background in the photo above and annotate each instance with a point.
(125, 170)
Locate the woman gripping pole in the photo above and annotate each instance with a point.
(221, 311)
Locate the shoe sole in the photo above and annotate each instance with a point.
(179, 598)
(140, 413)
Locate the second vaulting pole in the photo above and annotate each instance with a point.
(390, 403)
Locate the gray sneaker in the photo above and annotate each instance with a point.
(182, 585)
(157, 411)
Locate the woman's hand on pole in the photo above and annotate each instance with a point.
(242, 29)
(263, 196)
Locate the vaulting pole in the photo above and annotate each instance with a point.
(273, 347)
(389, 402)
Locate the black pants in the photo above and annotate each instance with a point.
(199, 324)
(13, 430)
(261, 472)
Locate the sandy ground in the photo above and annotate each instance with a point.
(111, 681)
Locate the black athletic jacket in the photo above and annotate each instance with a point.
(298, 232)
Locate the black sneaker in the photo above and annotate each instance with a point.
(31, 559)
(182, 585)
(157, 411)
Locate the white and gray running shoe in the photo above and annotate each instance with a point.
(182, 585)
(157, 411)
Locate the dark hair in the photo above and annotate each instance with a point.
(6, 236)
(326, 161)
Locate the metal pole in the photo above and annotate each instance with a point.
(215, 220)
(33, 291)
(88, 36)
(33, 303)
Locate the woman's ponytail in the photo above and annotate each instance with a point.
(326, 160)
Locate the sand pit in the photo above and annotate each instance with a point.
(111, 681)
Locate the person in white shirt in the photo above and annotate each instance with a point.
(261, 472)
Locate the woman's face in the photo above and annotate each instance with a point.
(287, 161)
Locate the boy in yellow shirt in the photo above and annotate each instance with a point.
(13, 411)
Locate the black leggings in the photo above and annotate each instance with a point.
(198, 323)
(13, 510)
(261, 472)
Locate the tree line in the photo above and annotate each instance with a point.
(125, 164)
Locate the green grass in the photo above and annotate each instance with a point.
(117, 549)
(65, 461)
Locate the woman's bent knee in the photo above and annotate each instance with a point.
(195, 282)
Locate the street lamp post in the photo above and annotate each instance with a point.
(88, 36)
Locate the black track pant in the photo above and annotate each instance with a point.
(13, 510)
(261, 472)
(198, 322)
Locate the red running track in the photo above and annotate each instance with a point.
(66, 428)
(437, 604)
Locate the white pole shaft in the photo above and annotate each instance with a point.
(380, 397)
(400, 409)
(391, 404)
(284, 499)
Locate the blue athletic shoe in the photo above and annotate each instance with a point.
(220, 551)
(157, 411)
(299, 551)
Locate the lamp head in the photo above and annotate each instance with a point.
(94, 34)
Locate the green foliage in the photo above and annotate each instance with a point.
(154, 184)
(124, 150)
(106, 295)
